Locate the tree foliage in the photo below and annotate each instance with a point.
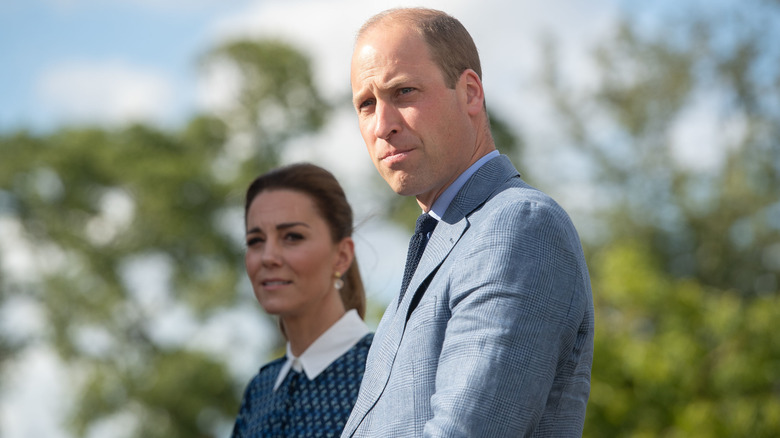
(98, 203)
(275, 98)
(681, 136)
(675, 358)
(680, 133)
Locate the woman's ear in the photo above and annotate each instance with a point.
(345, 254)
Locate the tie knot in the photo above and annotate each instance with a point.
(425, 224)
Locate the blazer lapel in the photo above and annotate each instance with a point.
(454, 223)
(449, 230)
(393, 324)
(443, 239)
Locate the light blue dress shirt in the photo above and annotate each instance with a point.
(444, 200)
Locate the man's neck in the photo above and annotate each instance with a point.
(438, 205)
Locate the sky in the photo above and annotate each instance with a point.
(109, 63)
(92, 61)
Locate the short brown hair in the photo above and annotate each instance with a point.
(450, 44)
(332, 205)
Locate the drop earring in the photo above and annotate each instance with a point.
(338, 283)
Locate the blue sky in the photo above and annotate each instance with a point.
(108, 63)
(95, 62)
(38, 37)
(67, 61)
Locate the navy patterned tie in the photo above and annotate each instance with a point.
(425, 225)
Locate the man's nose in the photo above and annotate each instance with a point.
(387, 120)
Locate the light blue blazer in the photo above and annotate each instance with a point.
(501, 342)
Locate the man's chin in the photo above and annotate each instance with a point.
(402, 188)
(402, 182)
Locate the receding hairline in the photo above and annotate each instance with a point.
(449, 44)
(406, 17)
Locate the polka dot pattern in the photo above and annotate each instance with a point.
(300, 407)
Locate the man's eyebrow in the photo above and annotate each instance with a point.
(396, 82)
(358, 99)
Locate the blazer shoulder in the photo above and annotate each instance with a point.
(517, 195)
(517, 205)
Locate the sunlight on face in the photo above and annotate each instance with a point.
(416, 128)
(290, 256)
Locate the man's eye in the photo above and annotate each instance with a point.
(366, 103)
(405, 90)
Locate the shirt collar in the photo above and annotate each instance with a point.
(331, 345)
(444, 200)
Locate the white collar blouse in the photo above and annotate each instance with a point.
(331, 345)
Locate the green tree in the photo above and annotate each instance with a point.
(96, 202)
(681, 138)
(276, 97)
(703, 83)
(675, 358)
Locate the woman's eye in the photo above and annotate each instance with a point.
(253, 241)
(293, 237)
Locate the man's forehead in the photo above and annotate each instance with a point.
(385, 74)
(387, 48)
(392, 30)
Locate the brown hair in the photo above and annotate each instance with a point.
(450, 44)
(331, 203)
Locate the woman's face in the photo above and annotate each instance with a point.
(290, 257)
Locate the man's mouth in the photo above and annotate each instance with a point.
(395, 156)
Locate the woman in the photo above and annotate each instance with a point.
(300, 261)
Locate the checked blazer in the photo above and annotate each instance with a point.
(500, 342)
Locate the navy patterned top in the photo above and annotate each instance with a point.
(299, 407)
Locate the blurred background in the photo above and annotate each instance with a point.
(129, 131)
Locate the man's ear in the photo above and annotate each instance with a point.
(473, 93)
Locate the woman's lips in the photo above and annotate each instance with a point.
(275, 283)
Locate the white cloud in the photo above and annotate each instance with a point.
(17, 255)
(111, 92)
(218, 87)
(507, 34)
(36, 396)
(701, 136)
(505, 31)
(178, 6)
(114, 91)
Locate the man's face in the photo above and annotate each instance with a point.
(417, 130)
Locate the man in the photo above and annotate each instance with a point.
(493, 336)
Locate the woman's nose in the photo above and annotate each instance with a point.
(270, 255)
